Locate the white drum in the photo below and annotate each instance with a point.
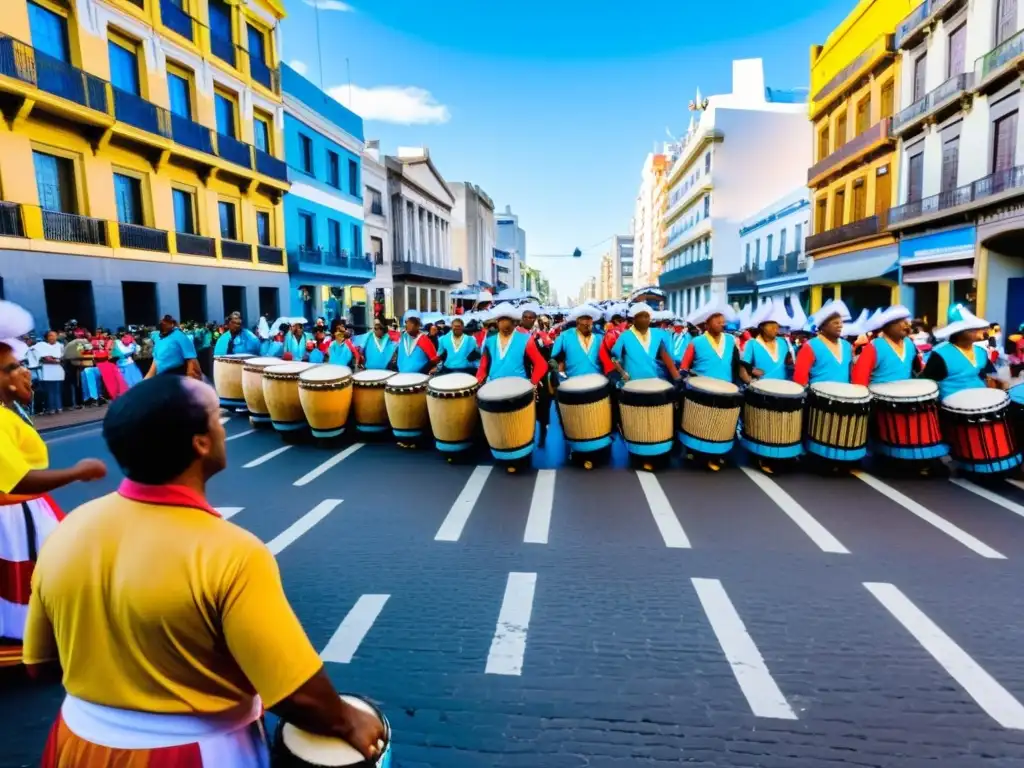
(296, 748)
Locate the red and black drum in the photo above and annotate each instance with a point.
(1016, 394)
(905, 420)
(976, 426)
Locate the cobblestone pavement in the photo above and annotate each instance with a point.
(567, 618)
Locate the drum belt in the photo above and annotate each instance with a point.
(30, 530)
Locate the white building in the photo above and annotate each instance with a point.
(377, 227)
(473, 233)
(622, 265)
(509, 235)
(421, 211)
(772, 244)
(961, 152)
(645, 222)
(748, 148)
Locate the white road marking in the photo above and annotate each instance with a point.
(1000, 705)
(267, 457)
(312, 475)
(225, 419)
(538, 524)
(1016, 483)
(954, 532)
(353, 629)
(664, 516)
(241, 434)
(228, 512)
(300, 526)
(988, 495)
(509, 644)
(815, 531)
(458, 515)
(756, 682)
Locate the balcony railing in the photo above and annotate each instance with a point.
(881, 46)
(196, 245)
(267, 254)
(23, 62)
(224, 49)
(851, 149)
(234, 151)
(191, 134)
(340, 259)
(789, 264)
(695, 270)
(426, 272)
(267, 76)
(855, 230)
(944, 96)
(72, 228)
(998, 60)
(143, 238)
(376, 258)
(10, 220)
(996, 183)
(177, 20)
(912, 21)
(271, 166)
(136, 111)
(236, 251)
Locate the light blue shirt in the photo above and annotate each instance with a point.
(172, 351)
(638, 362)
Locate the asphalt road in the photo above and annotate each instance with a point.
(567, 618)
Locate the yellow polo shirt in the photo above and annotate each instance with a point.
(161, 606)
(21, 450)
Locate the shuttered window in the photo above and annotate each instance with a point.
(957, 51)
(838, 208)
(1006, 20)
(950, 163)
(915, 177)
(919, 65)
(1004, 146)
(860, 200)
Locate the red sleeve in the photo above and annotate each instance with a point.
(605, 359)
(864, 366)
(424, 343)
(485, 364)
(687, 358)
(804, 361)
(538, 365)
(610, 338)
(357, 356)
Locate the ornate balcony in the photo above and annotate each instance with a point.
(271, 166)
(11, 224)
(23, 62)
(1000, 63)
(72, 228)
(874, 137)
(944, 100)
(855, 230)
(136, 111)
(143, 238)
(196, 245)
(235, 151)
(988, 189)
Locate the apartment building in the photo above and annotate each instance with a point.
(772, 244)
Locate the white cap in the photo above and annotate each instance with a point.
(961, 319)
(639, 308)
(797, 311)
(529, 306)
(830, 308)
(585, 310)
(411, 314)
(715, 307)
(506, 310)
(885, 316)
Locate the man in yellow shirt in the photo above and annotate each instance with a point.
(168, 624)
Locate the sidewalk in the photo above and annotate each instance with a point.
(69, 418)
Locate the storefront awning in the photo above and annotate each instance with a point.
(949, 245)
(940, 273)
(852, 267)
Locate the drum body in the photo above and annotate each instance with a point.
(773, 419)
(711, 412)
(227, 378)
(905, 420)
(281, 392)
(585, 407)
(405, 397)
(647, 411)
(508, 411)
(451, 405)
(368, 405)
(1017, 413)
(836, 425)
(295, 748)
(252, 388)
(976, 426)
(325, 393)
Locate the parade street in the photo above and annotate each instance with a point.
(609, 618)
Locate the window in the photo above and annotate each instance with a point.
(1006, 20)
(887, 99)
(782, 243)
(353, 179)
(376, 201)
(261, 133)
(798, 237)
(220, 20)
(306, 152)
(919, 77)
(823, 150)
(863, 115)
(55, 181)
(839, 208)
(333, 236)
(1004, 145)
(957, 51)
(707, 163)
(128, 195)
(124, 66)
(263, 227)
(707, 206)
(308, 225)
(950, 163)
(768, 248)
(357, 240)
(224, 105)
(883, 191)
(841, 131)
(257, 44)
(747, 262)
(184, 211)
(333, 169)
(49, 32)
(860, 200)
(181, 94)
(757, 253)
(228, 220)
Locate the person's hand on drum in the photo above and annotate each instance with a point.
(363, 731)
(757, 373)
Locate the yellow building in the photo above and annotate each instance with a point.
(854, 87)
(606, 283)
(140, 159)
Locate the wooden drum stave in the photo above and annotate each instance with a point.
(773, 418)
(252, 388)
(711, 412)
(296, 748)
(837, 419)
(227, 379)
(976, 425)
(281, 392)
(452, 408)
(508, 411)
(325, 393)
(369, 407)
(647, 411)
(905, 421)
(405, 398)
(585, 409)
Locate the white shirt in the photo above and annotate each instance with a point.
(50, 371)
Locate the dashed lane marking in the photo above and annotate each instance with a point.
(747, 663)
(240, 434)
(664, 516)
(988, 495)
(509, 644)
(339, 457)
(267, 457)
(342, 646)
(815, 531)
(538, 524)
(228, 512)
(290, 534)
(1000, 705)
(954, 532)
(455, 521)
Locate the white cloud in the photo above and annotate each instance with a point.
(329, 5)
(404, 105)
(299, 66)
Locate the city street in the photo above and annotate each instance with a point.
(609, 618)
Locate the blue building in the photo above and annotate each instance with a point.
(323, 211)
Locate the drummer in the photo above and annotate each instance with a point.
(187, 630)
(768, 353)
(679, 340)
(457, 351)
(579, 351)
(296, 339)
(236, 340)
(416, 352)
(959, 363)
(891, 355)
(638, 349)
(508, 353)
(378, 350)
(528, 325)
(828, 357)
(342, 351)
(714, 353)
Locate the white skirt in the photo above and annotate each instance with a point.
(24, 526)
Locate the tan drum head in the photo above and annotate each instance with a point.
(407, 380)
(838, 390)
(371, 378)
(259, 363)
(287, 370)
(317, 750)
(781, 387)
(326, 374)
(452, 382)
(233, 359)
(646, 385)
(707, 384)
(910, 390)
(588, 382)
(504, 388)
(978, 400)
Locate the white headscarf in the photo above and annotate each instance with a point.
(15, 321)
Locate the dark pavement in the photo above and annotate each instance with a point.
(756, 646)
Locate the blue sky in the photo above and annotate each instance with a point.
(550, 106)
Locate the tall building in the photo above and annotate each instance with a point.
(854, 82)
(473, 236)
(959, 215)
(588, 291)
(377, 237)
(324, 210)
(510, 236)
(647, 218)
(742, 150)
(622, 265)
(606, 284)
(141, 160)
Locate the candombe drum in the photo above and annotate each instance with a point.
(585, 408)
(1016, 394)
(405, 397)
(281, 391)
(296, 748)
(451, 405)
(976, 426)
(711, 412)
(368, 406)
(252, 388)
(508, 411)
(836, 425)
(325, 393)
(773, 419)
(647, 411)
(905, 421)
(227, 378)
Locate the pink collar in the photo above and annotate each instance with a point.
(165, 496)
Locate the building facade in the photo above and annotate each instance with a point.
(421, 221)
(622, 265)
(535, 284)
(746, 149)
(606, 283)
(772, 245)
(588, 291)
(377, 239)
(961, 157)
(140, 160)
(509, 236)
(647, 218)
(473, 246)
(855, 79)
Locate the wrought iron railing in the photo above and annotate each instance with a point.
(72, 228)
(271, 166)
(267, 254)
(195, 245)
(1008, 50)
(11, 224)
(23, 62)
(855, 230)
(143, 238)
(191, 134)
(930, 102)
(1006, 180)
(877, 132)
(234, 151)
(136, 111)
(912, 21)
(235, 250)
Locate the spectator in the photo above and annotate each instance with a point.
(50, 354)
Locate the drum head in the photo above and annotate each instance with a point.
(504, 388)
(262, 362)
(325, 751)
(778, 387)
(240, 358)
(716, 386)
(976, 400)
(588, 382)
(646, 385)
(837, 390)
(374, 376)
(452, 382)
(326, 373)
(403, 380)
(288, 369)
(1016, 393)
(910, 390)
